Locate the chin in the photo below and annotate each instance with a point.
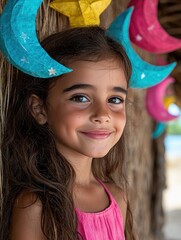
(99, 154)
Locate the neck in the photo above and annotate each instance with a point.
(82, 166)
(83, 171)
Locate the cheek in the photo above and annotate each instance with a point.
(120, 121)
(70, 118)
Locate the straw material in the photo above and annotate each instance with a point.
(145, 158)
(170, 18)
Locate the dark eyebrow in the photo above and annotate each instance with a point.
(77, 86)
(120, 89)
(85, 86)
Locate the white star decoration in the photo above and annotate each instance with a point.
(143, 75)
(150, 28)
(24, 59)
(138, 37)
(24, 36)
(52, 71)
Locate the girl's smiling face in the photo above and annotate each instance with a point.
(86, 109)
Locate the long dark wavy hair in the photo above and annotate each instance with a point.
(30, 159)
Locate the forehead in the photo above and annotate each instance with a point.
(101, 73)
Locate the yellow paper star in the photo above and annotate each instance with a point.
(168, 101)
(81, 12)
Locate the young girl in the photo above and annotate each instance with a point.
(63, 148)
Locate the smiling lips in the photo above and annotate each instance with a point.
(97, 134)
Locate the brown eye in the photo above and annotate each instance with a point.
(79, 99)
(115, 100)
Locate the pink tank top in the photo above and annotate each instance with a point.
(105, 225)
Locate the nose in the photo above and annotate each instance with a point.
(100, 113)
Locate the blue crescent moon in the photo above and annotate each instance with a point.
(160, 128)
(144, 74)
(19, 42)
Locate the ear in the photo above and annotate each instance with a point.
(37, 109)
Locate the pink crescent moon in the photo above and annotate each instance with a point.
(155, 101)
(146, 31)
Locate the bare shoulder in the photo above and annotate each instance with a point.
(26, 218)
(120, 197)
(27, 199)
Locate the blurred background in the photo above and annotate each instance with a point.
(153, 163)
(172, 193)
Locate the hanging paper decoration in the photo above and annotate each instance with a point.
(155, 101)
(144, 75)
(160, 128)
(82, 12)
(19, 43)
(168, 100)
(146, 31)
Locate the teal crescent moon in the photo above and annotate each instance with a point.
(144, 74)
(160, 128)
(19, 42)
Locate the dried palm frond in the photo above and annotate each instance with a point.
(170, 18)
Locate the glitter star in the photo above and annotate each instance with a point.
(81, 12)
(24, 59)
(24, 36)
(150, 28)
(52, 71)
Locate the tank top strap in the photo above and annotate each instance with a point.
(112, 200)
(106, 224)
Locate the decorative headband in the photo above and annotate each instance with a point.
(19, 44)
(144, 74)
